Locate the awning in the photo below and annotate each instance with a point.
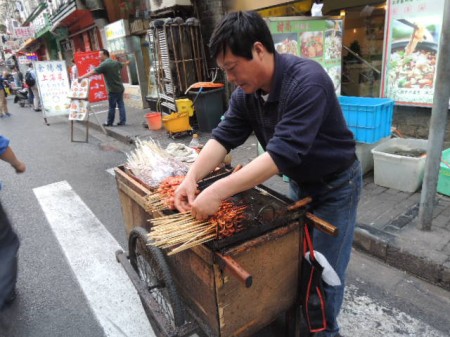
(336, 5)
(30, 45)
(64, 12)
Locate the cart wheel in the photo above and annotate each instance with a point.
(150, 263)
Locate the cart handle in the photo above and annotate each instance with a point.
(227, 262)
(322, 225)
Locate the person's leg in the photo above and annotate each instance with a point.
(36, 100)
(9, 246)
(121, 106)
(112, 100)
(3, 104)
(336, 202)
(30, 96)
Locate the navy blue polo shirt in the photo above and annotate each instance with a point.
(301, 124)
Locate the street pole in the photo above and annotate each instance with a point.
(438, 125)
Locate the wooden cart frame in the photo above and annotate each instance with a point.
(217, 299)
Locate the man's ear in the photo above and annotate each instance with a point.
(259, 48)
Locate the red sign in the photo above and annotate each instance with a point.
(87, 61)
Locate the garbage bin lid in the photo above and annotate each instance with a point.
(204, 85)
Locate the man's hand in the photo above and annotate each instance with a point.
(207, 203)
(19, 167)
(185, 195)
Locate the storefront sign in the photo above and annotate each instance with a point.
(53, 83)
(23, 32)
(40, 22)
(314, 38)
(411, 51)
(257, 4)
(117, 29)
(86, 61)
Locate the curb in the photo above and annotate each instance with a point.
(383, 246)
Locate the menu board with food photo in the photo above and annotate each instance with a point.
(78, 110)
(80, 89)
(411, 51)
(316, 38)
(53, 83)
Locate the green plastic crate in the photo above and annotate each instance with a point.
(443, 186)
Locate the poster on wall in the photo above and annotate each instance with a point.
(85, 62)
(53, 84)
(319, 39)
(411, 50)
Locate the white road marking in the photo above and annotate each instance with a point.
(90, 250)
(363, 316)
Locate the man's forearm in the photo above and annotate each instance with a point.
(210, 156)
(10, 157)
(92, 72)
(256, 172)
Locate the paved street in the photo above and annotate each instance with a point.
(67, 213)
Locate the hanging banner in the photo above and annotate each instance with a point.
(411, 50)
(85, 62)
(319, 39)
(53, 84)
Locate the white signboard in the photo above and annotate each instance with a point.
(117, 29)
(53, 83)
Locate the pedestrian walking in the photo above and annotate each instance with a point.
(111, 70)
(9, 241)
(290, 104)
(30, 81)
(3, 104)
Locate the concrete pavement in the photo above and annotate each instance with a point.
(387, 218)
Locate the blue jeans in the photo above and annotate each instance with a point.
(116, 98)
(335, 201)
(9, 246)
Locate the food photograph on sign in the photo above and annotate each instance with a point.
(412, 61)
(286, 43)
(80, 89)
(333, 40)
(312, 44)
(78, 109)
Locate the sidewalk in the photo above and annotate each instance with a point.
(387, 218)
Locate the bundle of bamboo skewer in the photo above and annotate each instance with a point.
(182, 231)
(163, 197)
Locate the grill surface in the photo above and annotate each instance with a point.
(266, 210)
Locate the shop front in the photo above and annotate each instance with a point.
(126, 47)
(75, 28)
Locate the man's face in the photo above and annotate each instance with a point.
(244, 73)
(102, 56)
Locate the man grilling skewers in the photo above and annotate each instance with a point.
(290, 104)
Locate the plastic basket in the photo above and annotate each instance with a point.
(177, 122)
(370, 119)
(443, 185)
(394, 169)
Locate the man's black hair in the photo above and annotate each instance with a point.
(239, 31)
(105, 52)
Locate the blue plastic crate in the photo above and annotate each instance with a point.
(370, 119)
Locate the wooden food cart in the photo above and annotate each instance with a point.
(229, 287)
